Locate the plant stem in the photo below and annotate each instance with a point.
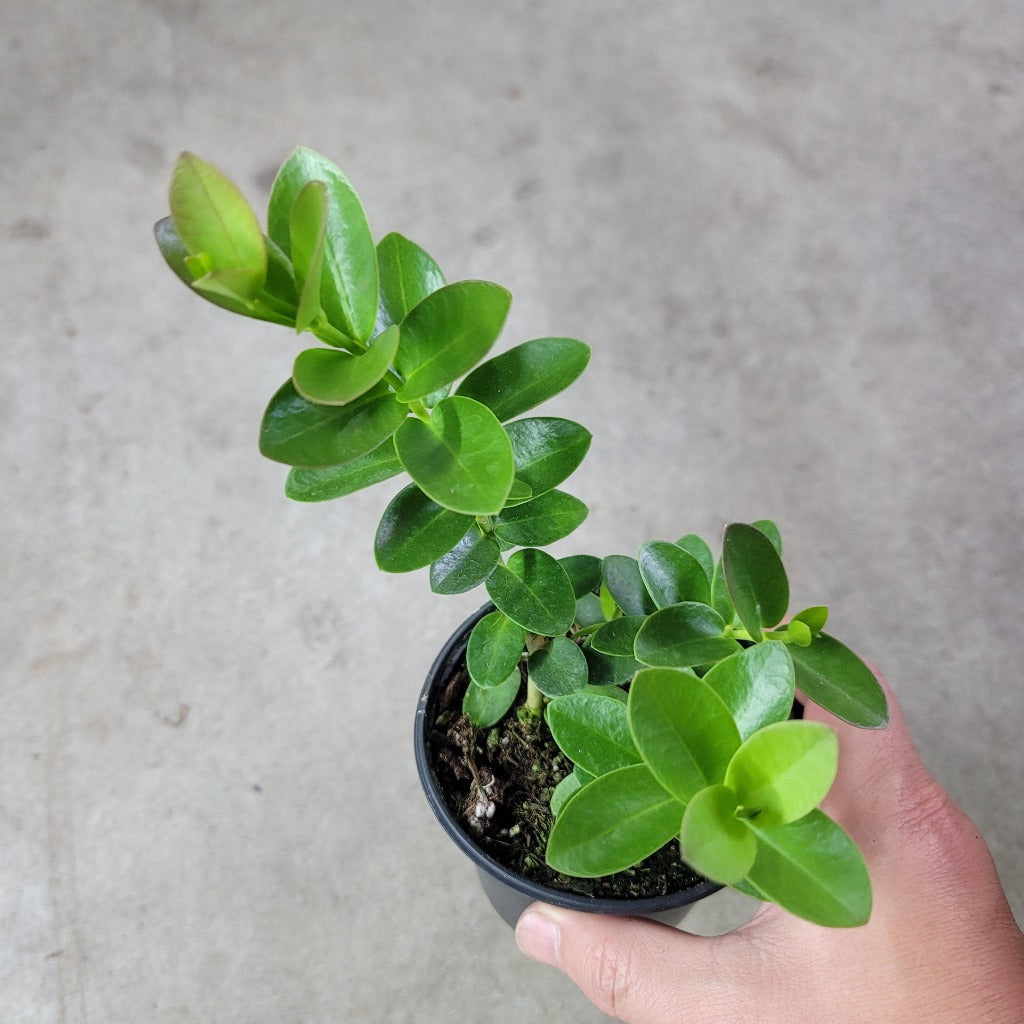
(534, 699)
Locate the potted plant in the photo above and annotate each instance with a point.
(617, 733)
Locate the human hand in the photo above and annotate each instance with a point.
(941, 945)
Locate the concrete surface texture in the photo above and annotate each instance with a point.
(793, 237)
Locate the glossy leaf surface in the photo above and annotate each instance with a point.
(613, 823)
(626, 585)
(448, 333)
(332, 482)
(526, 375)
(461, 457)
(592, 730)
(298, 432)
(307, 229)
(609, 670)
(566, 788)
(756, 684)
(534, 590)
(559, 668)
(407, 276)
(755, 577)
(713, 841)
(672, 575)
(683, 730)
(784, 770)
(834, 677)
(812, 868)
(415, 531)
(494, 649)
(546, 450)
(348, 288)
(618, 636)
(698, 547)
(331, 377)
(540, 521)
(486, 705)
(467, 565)
(682, 636)
(584, 572)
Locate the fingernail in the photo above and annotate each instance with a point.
(537, 937)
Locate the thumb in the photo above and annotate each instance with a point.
(636, 970)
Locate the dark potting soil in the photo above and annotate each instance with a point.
(498, 783)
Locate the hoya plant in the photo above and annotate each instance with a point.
(667, 680)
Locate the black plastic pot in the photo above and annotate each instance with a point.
(509, 893)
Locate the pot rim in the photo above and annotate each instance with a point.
(444, 663)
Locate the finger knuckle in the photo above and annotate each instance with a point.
(611, 977)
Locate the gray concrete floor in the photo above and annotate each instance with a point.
(793, 238)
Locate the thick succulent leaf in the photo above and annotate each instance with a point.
(566, 788)
(584, 572)
(609, 670)
(307, 230)
(415, 531)
(618, 636)
(558, 668)
(756, 684)
(698, 547)
(592, 730)
(682, 636)
(449, 332)
(540, 521)
(461, 457)
(784, 770)
(407, 276)
(535, 591)
(546, 450)
(330, 377)
(720, 599)
(348, 290)
(589, 611)
(336, 481)
(834, 677)
(494, 649)
(813, 618)
(672, 575)
(713, 841)
(626, 585)
(298, 432)
(682, 728)
(526, 375)
(484, 706)
(612, 823)
(467, 565)
(755, 577)
(215, 222)
(771, 531)
(813, 869)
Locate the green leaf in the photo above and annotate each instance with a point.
(330, 377)
(798, 633)
(592, 730)
(698, 547)
(348, 288)
(618, 636)
(298, 432)
(672, 575)
(467, 565)
(415, 531)
(559, 668)
(461, 457)
(494, 649)
(448, 333)
(584, 573)
(566, 788)
(834, 677)
(713, 841)
(682, 728)
(757, 686)
(755, 577)
(547, 450)
(307, 228)
(626, 585)
(720, 599)
(215, 222)
(588, 611)
(609, 670)
(534, 590)
(612, 823)
(484, 706)
(813, 869)
(683, 635)
(332, 482)
(541, 521)
(407, 276)
(771, 531)
(783, 771)
(526, 375)
(814, 618)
